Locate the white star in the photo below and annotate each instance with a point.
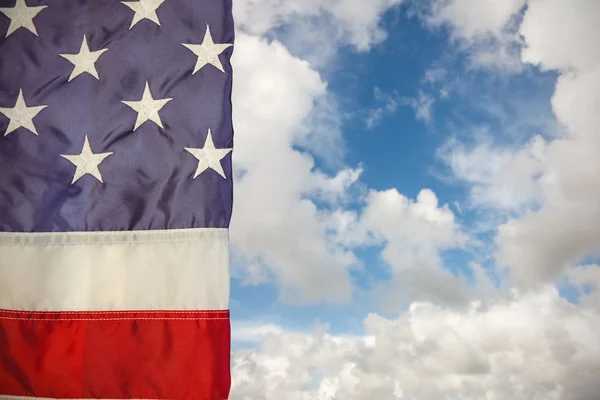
(84, 60)
(86, 162)
(147, 108)
(21, 16)
(20, 115)
(208, 52)
(144, 9)
(209, 157)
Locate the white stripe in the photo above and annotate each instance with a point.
(184, 269)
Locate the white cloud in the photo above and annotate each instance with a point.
(585, 275)
(335, 189)
(586, 280)
(562, 35)
(435, 75)
(437, 79)
(540, 245)
(522, 347)
(472, 18)
(276, 229)
(389, 103)
(501, 178)
(347, 21)
(415, 233)
(291, 226)
(423, 106)
(551, 183)
(253, 332)
(485, 28)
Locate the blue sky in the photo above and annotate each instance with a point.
(405, 170)
(400, 149)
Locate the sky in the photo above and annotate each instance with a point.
(416, 200)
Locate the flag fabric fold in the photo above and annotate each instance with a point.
(115, 198)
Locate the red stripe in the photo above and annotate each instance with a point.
(142, 354)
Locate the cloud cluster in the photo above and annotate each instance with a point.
(278, 231)
(415, 233)
(551, 183)
(346, 21)
(485, 29)
(291, 225)
(542, 243)
(472, 18)
(570, 48)
(498, 178)
(586, 280)
(522, 347)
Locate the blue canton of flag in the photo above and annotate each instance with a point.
(99, 101)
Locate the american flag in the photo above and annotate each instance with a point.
(115, 198)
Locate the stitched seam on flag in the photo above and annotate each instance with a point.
(98, 242)
(61, 239)
(140, 232)
(117, 312)
(11, 397)
(113, 319)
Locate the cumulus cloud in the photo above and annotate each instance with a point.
(586, 280)
(414, 234)
(500, 178)
(346, 21)
(521, 347)
(279, 233)
(486, 29)
(541, 244)
(292, 225)
(472, 18)
(251, 332)
(550, 183)
(571, 46)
